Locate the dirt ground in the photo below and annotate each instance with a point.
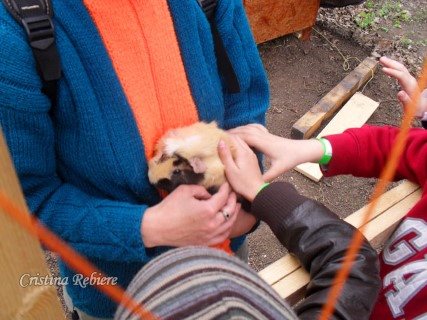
(300, 74)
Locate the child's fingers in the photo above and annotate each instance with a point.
(253, 127)
(259, 127)
(225, 155)
(390, 63)
(395, 73)
(404, 98)
(243, 144)
(239, 148)
(255, 139)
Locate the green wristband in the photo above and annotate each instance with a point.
(327, 151)
(265, 185)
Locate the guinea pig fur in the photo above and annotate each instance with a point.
(189, 155)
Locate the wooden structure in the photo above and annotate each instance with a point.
(353, 115)
(270, 19)
(306, 126)
(289, 279)
(21, 255)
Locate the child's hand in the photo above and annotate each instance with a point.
(408, 83)
(243, 172)
(284, 154)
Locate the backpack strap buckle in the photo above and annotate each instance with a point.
(40, 31)
(35, 16)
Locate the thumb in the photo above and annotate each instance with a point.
(225, 155)
(404, 98)
(272, 173)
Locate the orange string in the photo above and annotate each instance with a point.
(73, 259)
(386, 176)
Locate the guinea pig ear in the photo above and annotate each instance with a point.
(159, 157)
(198, 165)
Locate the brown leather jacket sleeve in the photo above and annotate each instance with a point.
(319, 239)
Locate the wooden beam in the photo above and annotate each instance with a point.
(288, 264)
(378, 230)
(306, 126)
(270, 19)
(21, 255)
(353, 115)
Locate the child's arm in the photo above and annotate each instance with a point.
(364, 152)
(361, 152)
(311, 232)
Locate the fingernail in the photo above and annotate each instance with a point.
(221, 144)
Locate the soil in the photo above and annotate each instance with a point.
(396, 28)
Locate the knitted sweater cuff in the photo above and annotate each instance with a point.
(274, 202)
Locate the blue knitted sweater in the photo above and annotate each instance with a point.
(82, 163)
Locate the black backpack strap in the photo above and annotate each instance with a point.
(224, 63)
(36, 18)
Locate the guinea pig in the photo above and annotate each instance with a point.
(189, 155)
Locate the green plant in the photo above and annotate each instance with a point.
(388, 11)
(369, 4)
(365, 19)
(406, 42)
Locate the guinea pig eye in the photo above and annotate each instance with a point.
(176, 171)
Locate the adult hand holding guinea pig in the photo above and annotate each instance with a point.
(190, 216)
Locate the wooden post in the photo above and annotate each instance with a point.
(21, 255)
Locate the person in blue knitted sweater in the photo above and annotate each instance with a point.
(131, 70)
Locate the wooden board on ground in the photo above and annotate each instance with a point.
(353, 115)
(289, 279)
(329, 104)
(21, 254)
(270, 19)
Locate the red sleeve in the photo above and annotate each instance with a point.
(363, 152)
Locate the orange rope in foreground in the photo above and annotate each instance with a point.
(73, 259)
(385, 178)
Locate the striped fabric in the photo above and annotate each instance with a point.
(202, 283)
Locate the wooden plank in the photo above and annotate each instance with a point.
(378, 230)
(21, 254)
(353, 115)
(288, 264)
(270, 19)
(329, 104)
(386, 201)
